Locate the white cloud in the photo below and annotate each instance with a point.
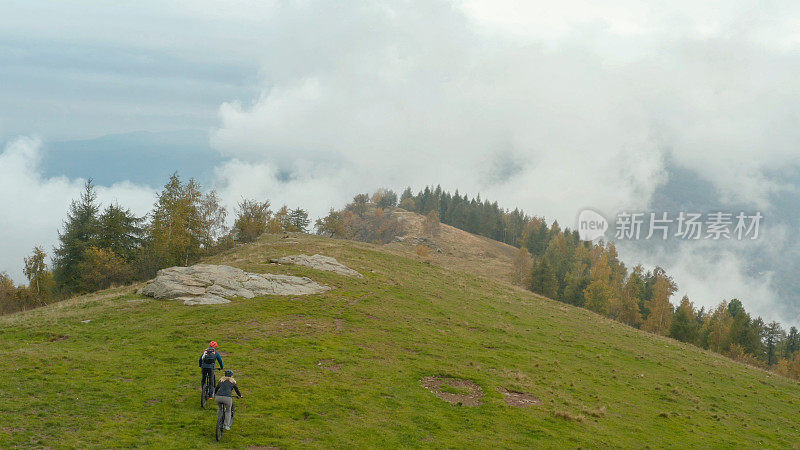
(710, 272)
(549, 108)
(34, 207)
(417, 93)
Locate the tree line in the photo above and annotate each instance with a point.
(99, 248)
(557, 264)
(102, 247)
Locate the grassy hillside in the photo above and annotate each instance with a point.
(345, 368)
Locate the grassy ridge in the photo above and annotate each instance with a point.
(343, 368)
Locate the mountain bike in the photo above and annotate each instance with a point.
(207, 389)
(221, 418)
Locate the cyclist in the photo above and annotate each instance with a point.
(207, 361)
(225, 388)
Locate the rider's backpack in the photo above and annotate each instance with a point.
(209, 356)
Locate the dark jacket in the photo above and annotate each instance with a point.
(226, 386)
(211, 366)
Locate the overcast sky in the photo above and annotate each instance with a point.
(548, 107)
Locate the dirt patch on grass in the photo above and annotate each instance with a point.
(519, 399)
(454, 390)
(329, 364)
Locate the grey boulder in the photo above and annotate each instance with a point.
(319, 262)
(207, 284)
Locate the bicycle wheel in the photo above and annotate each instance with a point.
(220, 422)
(203, 395)
(233, 412)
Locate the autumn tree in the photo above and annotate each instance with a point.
(625, 307)
(659, 319)
(175, 223)
(211, 220)
(8, 294)
(252, 218)
(359, 204)
(35, 270)
(599, 292)
(431, 225)
(332, 225)
(279, 221)
(102, 268)
(716, 330)
(523, 264)
(384, 198)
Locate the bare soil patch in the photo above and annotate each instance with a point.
(519, 399)
(455, 390)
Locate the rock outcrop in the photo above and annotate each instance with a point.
(207, 284)
(319, 262)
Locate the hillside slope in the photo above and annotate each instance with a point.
(346, 367)
(459, 249)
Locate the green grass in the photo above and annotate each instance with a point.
(455, 390)
(343, 369)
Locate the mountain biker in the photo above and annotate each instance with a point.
(207, 361)
(225, 388)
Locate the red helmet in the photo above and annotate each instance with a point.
(212, 344)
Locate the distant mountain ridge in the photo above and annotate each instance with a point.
(142, 157)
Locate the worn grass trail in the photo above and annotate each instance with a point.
(344, 368)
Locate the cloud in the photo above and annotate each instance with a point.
(593, 111)
(711, 271)
(34, 207)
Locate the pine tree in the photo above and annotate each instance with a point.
(577, 279)
(772, 337)
(120, 231)
(685, 326)
(79, 233)
(792, 344)
(298, 220)
(543, 279)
